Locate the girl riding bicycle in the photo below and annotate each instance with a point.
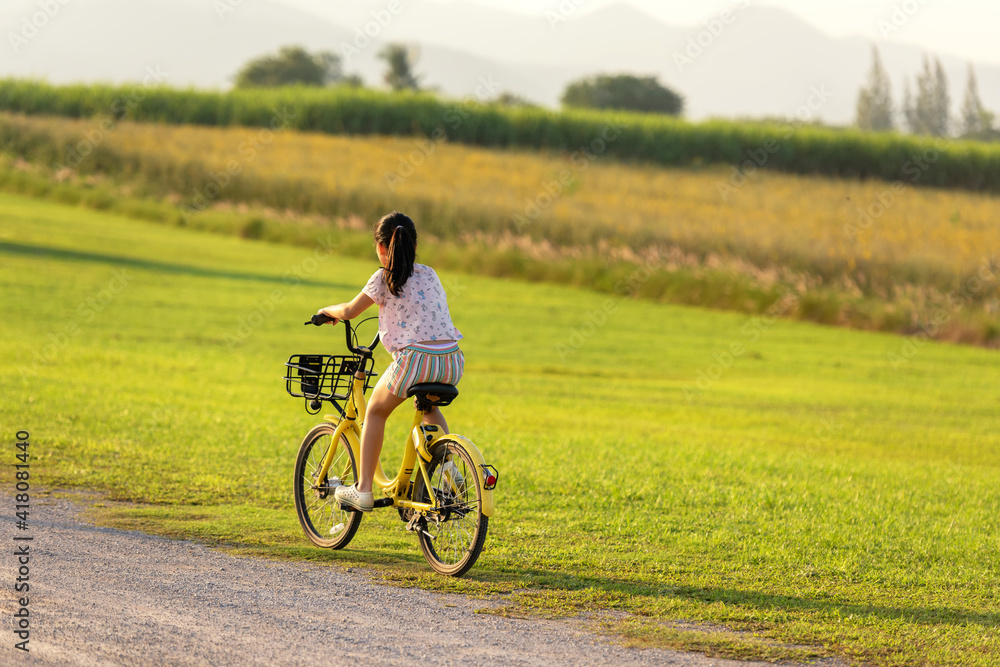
(415, 328)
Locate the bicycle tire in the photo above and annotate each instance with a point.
(453, 544)
(324, 523)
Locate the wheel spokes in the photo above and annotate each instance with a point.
(453, 484)
(321, 508)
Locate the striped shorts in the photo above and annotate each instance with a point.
(424, 363)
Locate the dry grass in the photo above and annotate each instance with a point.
(774, 215)
(918, 249)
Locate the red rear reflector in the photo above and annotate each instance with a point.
(490, 476)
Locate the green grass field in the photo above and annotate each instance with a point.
(829, 492)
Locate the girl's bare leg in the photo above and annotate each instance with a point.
(435, 416)
(380, 406)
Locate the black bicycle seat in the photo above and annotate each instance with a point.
(433, 394)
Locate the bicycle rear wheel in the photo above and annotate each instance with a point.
(324, 523)
(452, 540)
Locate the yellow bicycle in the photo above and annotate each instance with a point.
(443, 489)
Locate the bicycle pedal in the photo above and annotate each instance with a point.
(381, 502)
(418, 524)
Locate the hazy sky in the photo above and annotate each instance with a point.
(969, 28)
(966, 28)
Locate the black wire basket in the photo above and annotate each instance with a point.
(325, 377)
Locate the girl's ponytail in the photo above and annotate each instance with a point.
(397, 233)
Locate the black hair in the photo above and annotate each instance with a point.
(398, 234)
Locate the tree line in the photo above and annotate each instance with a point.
(293, 65)
(927, 109)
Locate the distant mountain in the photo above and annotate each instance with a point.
(769, 62)
(116, 40)
(765, 61)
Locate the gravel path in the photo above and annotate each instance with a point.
(101, 596)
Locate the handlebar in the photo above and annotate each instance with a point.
(319, 320)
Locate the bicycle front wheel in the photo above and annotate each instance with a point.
(452, 539)
(324, 523)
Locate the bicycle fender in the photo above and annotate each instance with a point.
(478, 460)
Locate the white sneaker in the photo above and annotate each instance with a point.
(350, 496)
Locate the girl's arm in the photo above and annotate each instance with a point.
(348, 311)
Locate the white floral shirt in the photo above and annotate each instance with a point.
(420, 312)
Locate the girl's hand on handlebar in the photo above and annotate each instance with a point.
(321, 318)
(323, 312)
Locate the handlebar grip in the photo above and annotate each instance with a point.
(319, 319)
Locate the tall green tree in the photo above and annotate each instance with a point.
(928, 112)
(290, 66)
(942, 101)
(875, 109)
(623, 91)
(400, 63)
(976, 121)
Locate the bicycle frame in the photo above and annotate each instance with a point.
(399, 488)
